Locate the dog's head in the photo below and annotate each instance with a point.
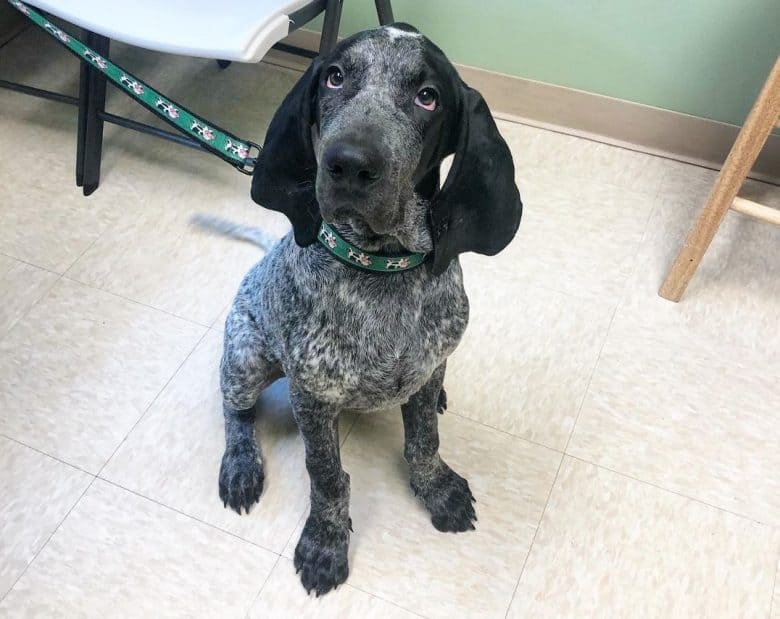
(360, 139)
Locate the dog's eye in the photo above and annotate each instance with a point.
(335, 78)
(427, 99)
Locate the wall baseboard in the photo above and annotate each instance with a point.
(626, 124)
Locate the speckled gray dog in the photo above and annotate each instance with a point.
(358, 142)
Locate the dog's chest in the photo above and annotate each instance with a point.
(373, 346)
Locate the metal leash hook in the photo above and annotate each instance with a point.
(248, 165)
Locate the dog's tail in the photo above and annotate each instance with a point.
(226, 227)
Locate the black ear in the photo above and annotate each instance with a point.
(478, 208)
(286, 170)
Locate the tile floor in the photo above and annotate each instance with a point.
(625, 451)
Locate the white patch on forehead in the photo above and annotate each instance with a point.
(397, 33)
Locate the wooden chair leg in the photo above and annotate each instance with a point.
(751, 138)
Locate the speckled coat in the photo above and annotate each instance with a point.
(348, 339)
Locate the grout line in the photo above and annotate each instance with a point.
(640, 481)
(59, 278)
(260, 590)
(32, 264)
(134, 301)
(151, 403)
(606, 468)
(214, 322)
(94, 477)
(44, 293)
(48, 455)
(505, 432)
(674, 492)
(57, 281)
(66, 275)
(536, 532)
(590, 379)
(657, 200)
(189, 516)
(301, 518)
(90, 246)
(48, 539)
(26, 313)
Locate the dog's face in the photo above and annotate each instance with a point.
(380, 113)
(360, 139)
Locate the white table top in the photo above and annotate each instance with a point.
(240, 30)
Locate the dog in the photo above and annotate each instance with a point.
(357, 144)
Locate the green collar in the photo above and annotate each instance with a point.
(355, 257)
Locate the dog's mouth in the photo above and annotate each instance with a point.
(366, 211)
(369, 232)
(410, 234)
(364, 233)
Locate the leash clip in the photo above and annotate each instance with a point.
(247, 166)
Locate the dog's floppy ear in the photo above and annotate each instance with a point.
(286, 169)
(478, 209)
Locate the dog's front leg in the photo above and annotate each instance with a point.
(241, 473)
(321, 554)
(445, 493)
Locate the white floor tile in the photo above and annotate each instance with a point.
(609, 546)
(37, 493)
(118, 554)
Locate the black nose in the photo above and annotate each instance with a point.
(352, 165)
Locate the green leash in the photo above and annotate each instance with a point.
(218, 141)
(360, 259)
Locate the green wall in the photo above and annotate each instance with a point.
(703, 57)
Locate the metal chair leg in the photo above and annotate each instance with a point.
(330, 27)
(82, 123)
(385, 12)
(92, 101)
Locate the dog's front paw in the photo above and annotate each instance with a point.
(321, 555)
(448, 497)
(241, 476)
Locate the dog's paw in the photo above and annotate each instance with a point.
(449, 499)
(241, 476)
(321, 555)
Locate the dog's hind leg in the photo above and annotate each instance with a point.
(445, 493)
(245, 372)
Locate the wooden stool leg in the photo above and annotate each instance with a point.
(747, 146)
